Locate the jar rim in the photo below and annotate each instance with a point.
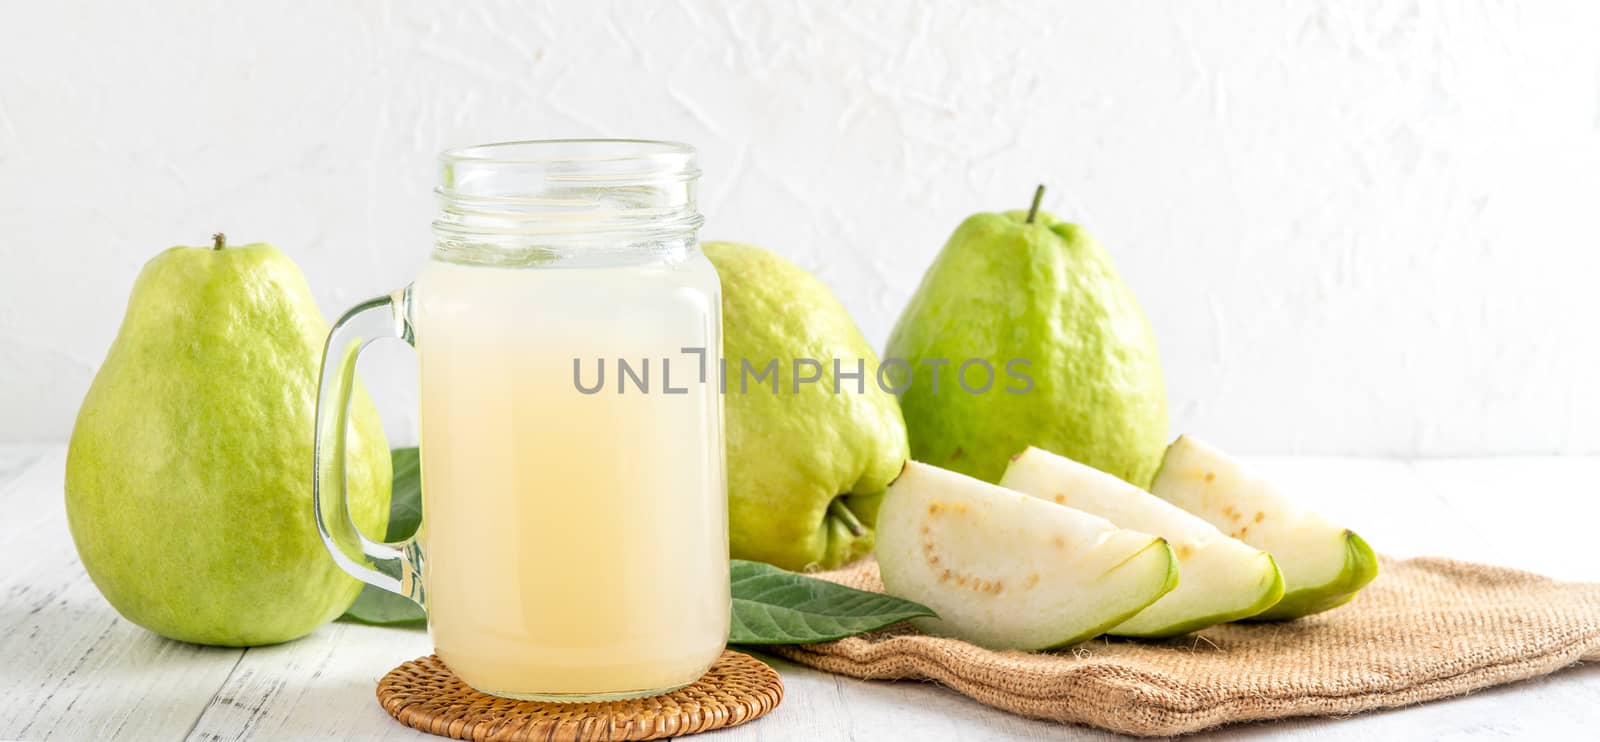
(572, 150)
(568, 190)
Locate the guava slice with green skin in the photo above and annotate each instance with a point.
(1224, 579)
(1009, 571)
(1324, 565)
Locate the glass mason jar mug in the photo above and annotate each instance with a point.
(574, 540)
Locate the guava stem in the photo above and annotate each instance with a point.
(1038, 195)
(218, 241)
(851, 524)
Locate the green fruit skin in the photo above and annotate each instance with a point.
(1171, 584)
(1268, 598)
(1046, 292)
(791, 454)
(1360, 568)
(188, 482)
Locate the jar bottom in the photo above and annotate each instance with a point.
(611, 686)
(585, 697)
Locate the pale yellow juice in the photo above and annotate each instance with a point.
(573, 543)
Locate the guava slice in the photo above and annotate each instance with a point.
(1009, 571)
(1323, 565)
(1223, 579)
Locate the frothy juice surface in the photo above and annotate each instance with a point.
(574, 543)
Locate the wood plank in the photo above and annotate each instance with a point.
(72, 668)
(322, 686)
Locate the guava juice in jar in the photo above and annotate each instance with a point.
(574, 533)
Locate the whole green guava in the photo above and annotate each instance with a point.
(808, 461)
(1071, 361)
(188, 482)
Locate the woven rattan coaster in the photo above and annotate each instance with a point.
(424, 694)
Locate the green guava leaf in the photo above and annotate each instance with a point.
(377, 606)
(775, 606)
(405, 504)
(380, 607)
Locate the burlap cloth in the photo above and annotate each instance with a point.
(1425, 629)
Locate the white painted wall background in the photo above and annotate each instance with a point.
(1358, 227)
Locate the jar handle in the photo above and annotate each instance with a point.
(395, 567)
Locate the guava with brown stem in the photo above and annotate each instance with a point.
(188, 482)
(810, 447)
(1024, 294)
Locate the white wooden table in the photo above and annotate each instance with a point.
(70, 668)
